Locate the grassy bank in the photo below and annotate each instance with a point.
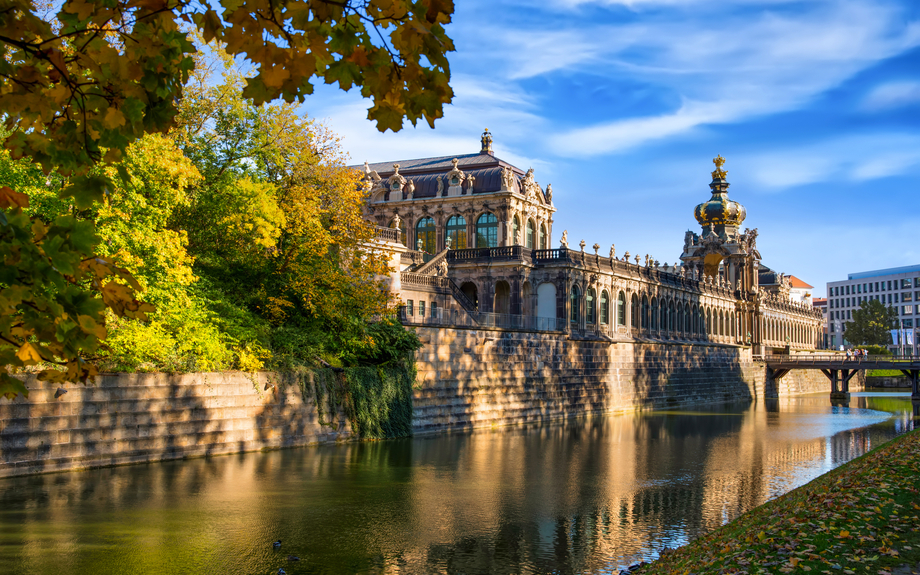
(862, 517)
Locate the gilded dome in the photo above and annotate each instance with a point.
(719, 210)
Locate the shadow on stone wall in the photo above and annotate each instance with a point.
(132, 418)
(666, 375)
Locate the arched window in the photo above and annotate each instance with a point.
(487, 231)
(456, 231)
(708, 321)
(573, 303)
(605, 308)
(402, 230)
(542, 237)
(528, 240)
(425, 231)
(646, 311)
(515, 232)
(655, 323)
(621, 309)
(672, 317)
(590, 314)
(634, 311)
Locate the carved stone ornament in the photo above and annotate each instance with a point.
(626, 257)
(442, 268)
(582, 244)
(613, 251)
(529, 186)
(564, 242)
(410, 189)
(396, 221)
(507, 179)
(470, 182)
(455, 179)
(596, 247)
(440, 187)
(396, 181)
(373, 179)
(549, 193)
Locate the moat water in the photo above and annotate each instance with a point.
(582, 497)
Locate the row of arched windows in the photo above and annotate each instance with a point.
(777, 330)
(654, 314)
(486, 233)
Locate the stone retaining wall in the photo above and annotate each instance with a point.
(888, 381)
(467, 379)
(482, 378)
(134, 418)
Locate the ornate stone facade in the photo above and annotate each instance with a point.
(490, 223)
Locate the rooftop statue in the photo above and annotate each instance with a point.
(719, 173)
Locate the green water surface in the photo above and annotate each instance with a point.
(582, 497)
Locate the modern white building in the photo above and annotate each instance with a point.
(895, 287)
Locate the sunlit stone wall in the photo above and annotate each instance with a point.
(467, 379)
(483, 378)
(133, 418)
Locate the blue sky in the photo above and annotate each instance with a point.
(622, 104)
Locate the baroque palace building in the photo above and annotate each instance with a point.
(471, 238)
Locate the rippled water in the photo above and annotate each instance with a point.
(582, 497)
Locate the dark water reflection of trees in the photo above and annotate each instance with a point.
(585, 497)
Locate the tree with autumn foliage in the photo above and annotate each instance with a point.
(82, 81)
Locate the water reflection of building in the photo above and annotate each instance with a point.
(475, 241)
(584, 498)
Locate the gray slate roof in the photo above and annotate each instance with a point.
(424, 172)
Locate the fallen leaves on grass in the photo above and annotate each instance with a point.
(860, 518)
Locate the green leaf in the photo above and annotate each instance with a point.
(85, 190)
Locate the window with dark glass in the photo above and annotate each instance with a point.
(487, 231)
(605, 308)
(409, 307)
(589, 306)
(427, 232)
(542, 237)
(621, 309)
(515, 228)
(530, 234)
(456, 231)
(573, 303)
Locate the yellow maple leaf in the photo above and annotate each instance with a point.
(274, 77)
(12, 199)
(114, 119)
(28, 353)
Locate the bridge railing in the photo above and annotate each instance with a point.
(861, 361)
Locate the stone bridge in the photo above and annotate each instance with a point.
(840, 370)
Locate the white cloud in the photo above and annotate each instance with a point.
(739, 67)
(478, 103)
(853, 159)
(893, 95)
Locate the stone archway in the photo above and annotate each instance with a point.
(502, 301)
(470, 291)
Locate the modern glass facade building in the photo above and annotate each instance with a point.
(895, 287)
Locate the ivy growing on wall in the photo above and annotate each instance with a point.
(376, 400)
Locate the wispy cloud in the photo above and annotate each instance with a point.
(893, 95)
(853, 159)
(478, 103)
(744, 66)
